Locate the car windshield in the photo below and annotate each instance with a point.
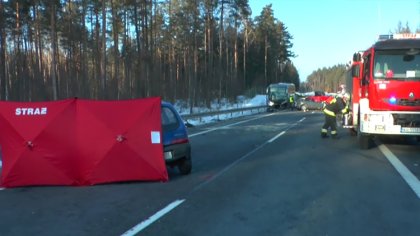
(397, 64)
(277, 92)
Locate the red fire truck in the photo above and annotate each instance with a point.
(384, 82)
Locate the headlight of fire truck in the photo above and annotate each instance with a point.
(270, 103)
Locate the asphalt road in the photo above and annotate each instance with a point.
(269, 174)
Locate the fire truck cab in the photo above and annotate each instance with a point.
(384, 82)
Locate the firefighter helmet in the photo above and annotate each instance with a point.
(342, 89)
(346, 96)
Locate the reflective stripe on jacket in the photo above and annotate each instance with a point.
(334, 106)
(328, 112)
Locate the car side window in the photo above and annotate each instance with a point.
(169, 119)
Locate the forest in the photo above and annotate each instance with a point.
(192, 50)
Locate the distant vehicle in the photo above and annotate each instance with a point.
(319, 96)
(278, 95)
(308, 103)
(176, 145)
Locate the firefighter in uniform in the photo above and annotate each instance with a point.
(291, 102)
(331, 108)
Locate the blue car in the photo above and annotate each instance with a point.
(176, 145)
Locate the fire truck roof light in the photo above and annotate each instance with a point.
(385, 37)
(399, 36)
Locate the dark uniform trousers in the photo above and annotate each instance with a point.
(330, 122)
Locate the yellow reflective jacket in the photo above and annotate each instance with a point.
(335, 106)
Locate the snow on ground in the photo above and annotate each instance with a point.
(242, 102)
(259, 100)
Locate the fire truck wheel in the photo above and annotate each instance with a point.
(364, 141)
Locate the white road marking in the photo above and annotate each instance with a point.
(222, 127)
(136, 229)
(277, 136)
(227, 168)
(283, 132)
(411, 179)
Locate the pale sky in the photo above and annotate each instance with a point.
(328, 32)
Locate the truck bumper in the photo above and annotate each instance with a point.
(401, 123)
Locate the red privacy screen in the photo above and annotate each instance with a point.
(81, 142)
